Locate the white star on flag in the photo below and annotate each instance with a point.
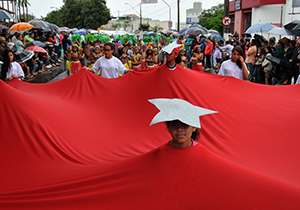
(169, 48)
(178, 109)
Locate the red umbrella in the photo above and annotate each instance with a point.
(36, 49)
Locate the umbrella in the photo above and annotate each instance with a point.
(273, 59)
(294, 27)
(246, 35)
(38, 23)
(259, 27)
(213, 32)
(36, 49)
(43, 29)
(195, 31)
(3, 27)
(23, 55)
(52, 26)
(217, 37)
(182, 31)
(5, 15)
(35, 43)
(260, 37)
(21, 27)
(63, 29)
(48, 44)
(281, 31)
(81, 32)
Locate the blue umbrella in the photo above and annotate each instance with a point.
(280, 31)
(259, 27)
(218, 37)
(182, 31)
(81, 32)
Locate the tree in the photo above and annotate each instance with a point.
(21, 4)
(156, 28)
(80, 14)
(212, 18)
(144, 27)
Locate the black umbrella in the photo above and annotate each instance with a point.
(52, 26)
(294, 27)
(195, 31)
(38, 23)
(273, 59)
(35, 43)
(246, 35)
(260, 37)
(23, 55)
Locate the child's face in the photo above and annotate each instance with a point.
(97, 50)
(181, 133)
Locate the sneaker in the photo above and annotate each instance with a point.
(49, 66)
(29, 76)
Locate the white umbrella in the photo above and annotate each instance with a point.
(280, 31)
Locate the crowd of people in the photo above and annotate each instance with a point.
(12, 44)
(244, 58)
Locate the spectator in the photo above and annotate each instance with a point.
(250, 58)
(235, 66)
(20, 45)
(10, 69)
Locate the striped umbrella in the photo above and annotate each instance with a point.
(36, 49)
(21, 27)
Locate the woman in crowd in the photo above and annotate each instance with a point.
(10, 69)
(197, 59)
(184, 59)
(136, 59)
(236, 66)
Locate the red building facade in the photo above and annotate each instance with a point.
(240, 12)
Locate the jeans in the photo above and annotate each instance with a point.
(257, 73)
(250, 67)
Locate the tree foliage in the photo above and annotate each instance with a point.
(80, 14)
(212, 18)
(144, 27)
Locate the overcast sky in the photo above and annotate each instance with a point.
(154, 11)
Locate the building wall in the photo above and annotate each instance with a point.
(270, 13)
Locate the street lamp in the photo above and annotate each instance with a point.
(169, 12)
(140, 13)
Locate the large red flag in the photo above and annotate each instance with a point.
(85, 143)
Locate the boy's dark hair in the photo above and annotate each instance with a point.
(111, 45)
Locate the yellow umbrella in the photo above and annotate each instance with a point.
(21, 27)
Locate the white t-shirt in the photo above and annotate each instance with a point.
(228, 49)
(229, 68)
(14, 69)
(109, 67)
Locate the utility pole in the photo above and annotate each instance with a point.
(178, 16)
(226, 13)
(169, 11)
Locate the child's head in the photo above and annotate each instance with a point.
(182, 52)
(97, 49)
(182, 134)
(123, 59)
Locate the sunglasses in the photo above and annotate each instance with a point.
(107, 49)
